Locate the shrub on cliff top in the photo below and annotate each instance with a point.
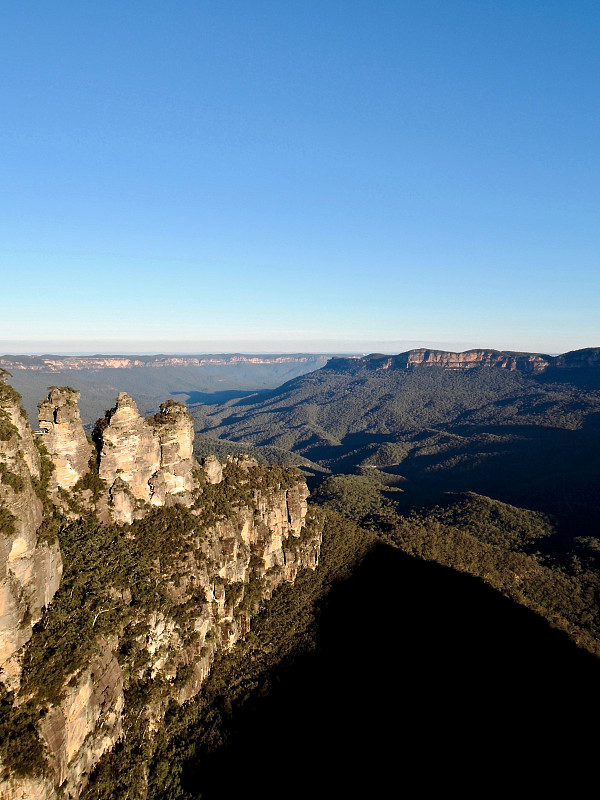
(7, 429)
(21, 751)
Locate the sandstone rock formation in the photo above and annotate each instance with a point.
(240, 531)
(523, 362)
(145, 462)
(175, 429)
(61, 363)
(90, 713)
(30, 569)
(129, 449)
(213, 469)
(64, 438)
(470, 359)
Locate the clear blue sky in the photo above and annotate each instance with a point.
(349, 175)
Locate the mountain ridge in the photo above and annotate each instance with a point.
(470, 359)
(57, 363)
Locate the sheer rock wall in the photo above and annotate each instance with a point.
(30, 569)
(145, 462)
(64, 438)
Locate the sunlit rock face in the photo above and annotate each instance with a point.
(129, 449)
(30, 569)
(175, 429)
(87, 722)
(470, 359)
(523, 362)
(63, 436)
(213, 469)
(145, 462)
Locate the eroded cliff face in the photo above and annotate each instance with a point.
(63, 436)
(523, 362)
(62, 363)
(30, 568)
(207, 546)
(470, 359)
(145, 462)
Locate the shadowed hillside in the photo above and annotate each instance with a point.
(507, 434)
(420, 674)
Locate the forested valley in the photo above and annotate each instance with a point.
(453, 628)
(450, 635)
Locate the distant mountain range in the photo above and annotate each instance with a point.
(471, 359)
(522, 362)
(60, 363)
(152, 379)
(518, 427)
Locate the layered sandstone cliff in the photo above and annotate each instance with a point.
(145, 462)
(207, 546)
(30, 567)
(63, 436)
(470, 359)
(523, 362)
(49, 363)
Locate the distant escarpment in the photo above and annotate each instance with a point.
(470, 359)
(138, 564)
(57, 363)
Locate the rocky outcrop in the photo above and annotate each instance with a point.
(211, 587)
(128, 449)
(30, 569)
(523, 362)
(63, 436)
(144, 462)
(213, 469)
(239, 532)
(37, 787)
(175, 430)
(532, 363)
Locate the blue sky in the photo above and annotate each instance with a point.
(274, 176)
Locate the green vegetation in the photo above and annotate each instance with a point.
(512, 549)
(569, 600)
(7, 522)
(521, 439)
(205, 445)
(21, 751)
(105, 564)
(91, 481)
(489, 473)
(9, 478)
(7, 429)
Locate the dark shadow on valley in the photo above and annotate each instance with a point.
(422, 676)
(552, 470)
(214, 398)
(582, 378)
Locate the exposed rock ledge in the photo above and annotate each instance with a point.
(471, 359)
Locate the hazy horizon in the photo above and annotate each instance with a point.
(301, 176)
(387, 348)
